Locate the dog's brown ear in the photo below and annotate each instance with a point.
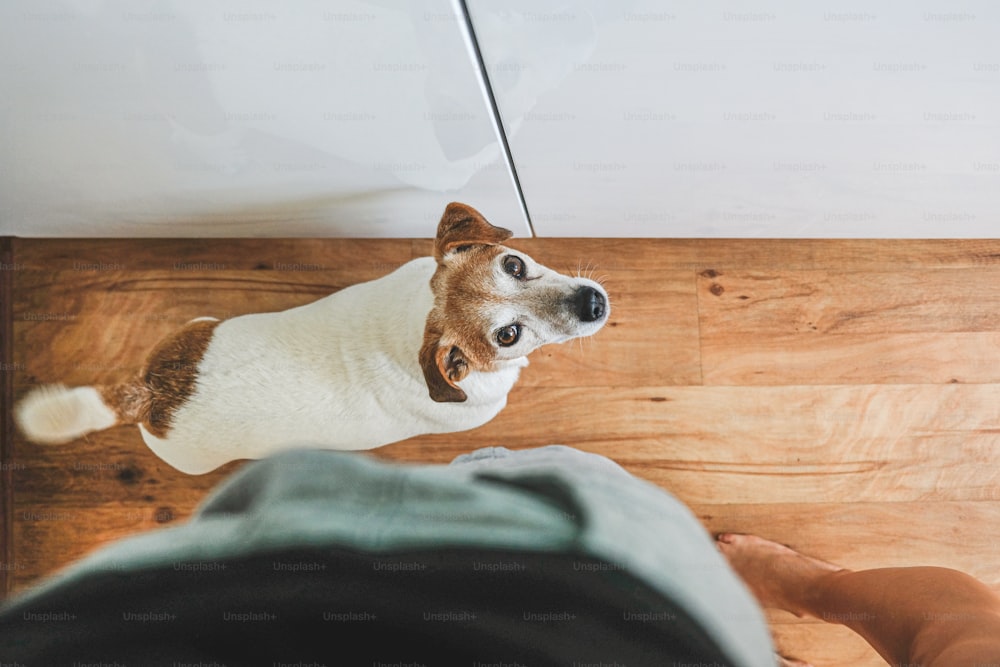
(444, 367)
(461, 226)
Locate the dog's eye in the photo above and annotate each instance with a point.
(508, 335)
(514, 266)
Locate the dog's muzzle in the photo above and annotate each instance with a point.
(590, 304)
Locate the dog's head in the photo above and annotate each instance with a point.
(493, 303)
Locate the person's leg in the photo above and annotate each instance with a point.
(931, 616)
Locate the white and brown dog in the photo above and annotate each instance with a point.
(433, 347)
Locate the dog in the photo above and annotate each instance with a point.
(433, 347)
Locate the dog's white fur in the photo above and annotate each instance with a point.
(369, 365)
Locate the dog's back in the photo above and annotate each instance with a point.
(339, 373)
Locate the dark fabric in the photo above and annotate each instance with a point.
(454, 606)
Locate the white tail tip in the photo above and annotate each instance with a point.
(54, 414)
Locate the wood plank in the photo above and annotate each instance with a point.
(763, 444)
(8, 561)
(194, 256)
(825, 327)
(111, 465)
(848, 302)
(600, 255)
(889, 358)
(376, 255)
(611, 255)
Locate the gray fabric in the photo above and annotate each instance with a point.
(651, 534)
(547, 499)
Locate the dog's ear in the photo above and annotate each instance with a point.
(463, 226)
(444, 367)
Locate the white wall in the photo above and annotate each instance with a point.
(775, 118)
(241, 118)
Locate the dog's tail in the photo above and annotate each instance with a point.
(54, 414)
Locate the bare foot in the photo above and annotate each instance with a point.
(779, 577)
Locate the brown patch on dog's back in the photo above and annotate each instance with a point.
(130, 401)
(165, 383)
(171, 372)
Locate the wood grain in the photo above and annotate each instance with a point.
(890, 358)
(826, 327)
(697, 255)
(869, 302)
(848, 406)
(7, 555)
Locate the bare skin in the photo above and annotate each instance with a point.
(927, 616)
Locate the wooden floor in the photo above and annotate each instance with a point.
(839, 396)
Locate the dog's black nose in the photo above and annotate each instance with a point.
(590, 304)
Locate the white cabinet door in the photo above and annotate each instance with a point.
(242, 118)
(776, 119)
